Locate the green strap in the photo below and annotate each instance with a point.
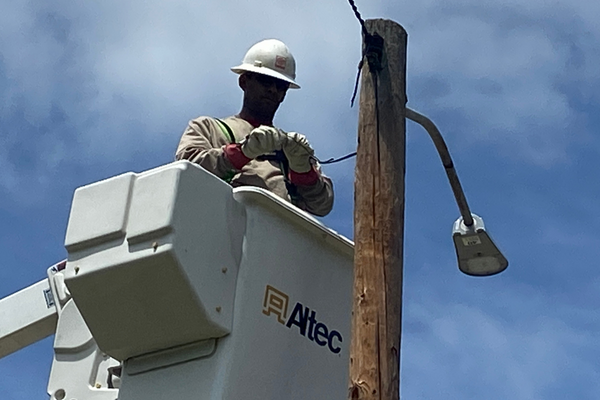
(231, 138)
(226, 130)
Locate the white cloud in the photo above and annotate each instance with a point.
(512, 346)
(160, 64)
(498, 65)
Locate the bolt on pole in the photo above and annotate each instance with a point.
(379, 215)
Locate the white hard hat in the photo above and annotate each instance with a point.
(270, 57)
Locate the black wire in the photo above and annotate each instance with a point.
(360, 64)
(334, 160)
(365, 33)
(372, 45)
(280, 157)
(362, 22)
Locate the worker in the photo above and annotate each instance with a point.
(246, 149)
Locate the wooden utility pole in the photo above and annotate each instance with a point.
(379, 216)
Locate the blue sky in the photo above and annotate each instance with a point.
(91, 90)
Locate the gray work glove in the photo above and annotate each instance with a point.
(262, 140)
(298, 152)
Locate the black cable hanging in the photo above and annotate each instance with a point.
(334, 160)
(372, 52)
(360, 64)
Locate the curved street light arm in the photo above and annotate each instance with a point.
(442, 149)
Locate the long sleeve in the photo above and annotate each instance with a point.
(203, 143)
(315, 197)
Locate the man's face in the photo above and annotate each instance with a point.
(263, 93)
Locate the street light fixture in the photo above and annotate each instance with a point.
(476, 252)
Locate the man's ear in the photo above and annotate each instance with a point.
(242, 81)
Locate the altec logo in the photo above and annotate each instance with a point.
(303, 318)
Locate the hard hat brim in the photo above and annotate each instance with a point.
(240, 69)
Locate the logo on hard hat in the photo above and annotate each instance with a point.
(280, 62)
(303, 318)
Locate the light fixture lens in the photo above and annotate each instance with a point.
(482, 266)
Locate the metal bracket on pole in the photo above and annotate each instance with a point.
(373, 51)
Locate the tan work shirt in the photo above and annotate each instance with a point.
(203, 142)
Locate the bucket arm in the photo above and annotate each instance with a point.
(26, 317)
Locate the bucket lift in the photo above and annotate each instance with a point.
(178, 286)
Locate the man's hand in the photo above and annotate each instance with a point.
(298, 152)
(262, 140)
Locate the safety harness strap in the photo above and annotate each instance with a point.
(226, 130)
(228, 133)
(284, 165)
